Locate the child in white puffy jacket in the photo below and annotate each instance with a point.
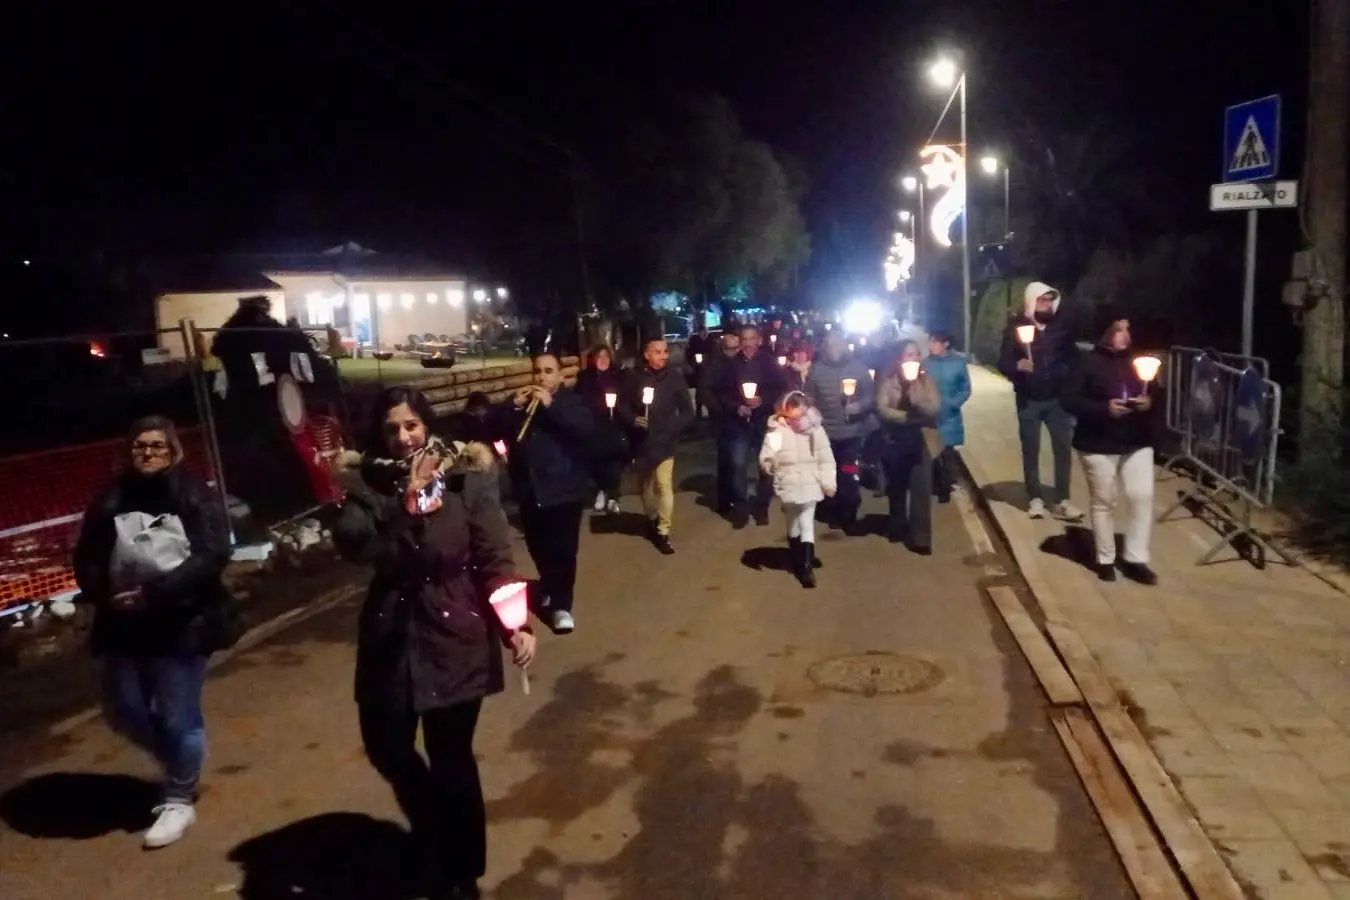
(796, 454)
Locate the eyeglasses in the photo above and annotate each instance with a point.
(149, 447)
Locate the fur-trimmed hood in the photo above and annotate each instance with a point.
(356, 470)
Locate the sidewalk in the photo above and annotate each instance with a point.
(1239, 678)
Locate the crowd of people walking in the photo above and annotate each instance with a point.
(793, 419)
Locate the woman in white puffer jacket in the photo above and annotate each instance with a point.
(796, 454)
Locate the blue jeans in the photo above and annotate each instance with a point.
(156, 703)
(1030, 415)
(738, 444)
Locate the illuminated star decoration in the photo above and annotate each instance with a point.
(899, 265)
(944, 172)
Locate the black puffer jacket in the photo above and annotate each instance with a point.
(188, 610)
(427, 627)
(1099, 377)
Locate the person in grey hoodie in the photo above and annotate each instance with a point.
(845, 419)
(1038, 370)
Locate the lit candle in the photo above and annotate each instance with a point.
(850, 386)
(1146, 367)
(698, 359)
(872, 373)
(510, 603)
(782, 360)
(648, 395)
(611, 400)
(748, 389)
(910, 369)
(1026, 333)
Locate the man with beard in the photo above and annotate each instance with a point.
(1038, 370)
(656, 408)
(749, 387)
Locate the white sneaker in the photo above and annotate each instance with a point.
(1066, 511)
(174, 820)
(1036, 509)
(562, 622)
(612, 506)
(599, 502)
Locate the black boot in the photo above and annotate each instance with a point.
(808, 564)
(795, 557)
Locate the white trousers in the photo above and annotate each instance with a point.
(1135, 473)
(801, 521)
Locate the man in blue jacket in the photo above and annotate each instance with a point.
(1037, 370)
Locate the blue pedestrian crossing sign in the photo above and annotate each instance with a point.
(1251, 140)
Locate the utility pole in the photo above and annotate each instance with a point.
(1325, 176)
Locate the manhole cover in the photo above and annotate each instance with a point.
(876, 673)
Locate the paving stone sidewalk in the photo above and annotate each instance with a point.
(1240, 678)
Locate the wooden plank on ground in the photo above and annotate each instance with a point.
(1050, 672)
(1078, 659)
(1203, 868)
(1143, 858)
(1200, 864)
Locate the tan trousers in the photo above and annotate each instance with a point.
(658, 491)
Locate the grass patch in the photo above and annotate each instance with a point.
(400, 370)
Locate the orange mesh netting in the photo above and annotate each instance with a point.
(43, 496)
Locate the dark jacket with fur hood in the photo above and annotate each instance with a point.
(427, 635)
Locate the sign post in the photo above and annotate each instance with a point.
(1251, 162)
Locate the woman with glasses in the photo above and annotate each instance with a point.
(149, 559)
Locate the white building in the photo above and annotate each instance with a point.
(373, 300)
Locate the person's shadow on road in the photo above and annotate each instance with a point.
(775, 559)
(629, 523)
(79, 805)
(335, 856)
(1077, 545)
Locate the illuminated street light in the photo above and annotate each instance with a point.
(479, 295)
(989, 164)
(944, 73)
(909, 183)
(502, 293)
(905, 215)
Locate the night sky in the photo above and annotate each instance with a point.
(171, 129)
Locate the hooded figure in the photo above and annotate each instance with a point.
(796, 455)
(1037, 369)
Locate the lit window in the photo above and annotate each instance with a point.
(455, 296)
(319, 309)
(406, 301)
(360, 306)
(432, 297)
(338, 300)
(384, 300)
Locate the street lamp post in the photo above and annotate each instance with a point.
(944, 72)
(913, 184)
(991, 165)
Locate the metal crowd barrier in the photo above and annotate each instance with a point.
(1227, 412)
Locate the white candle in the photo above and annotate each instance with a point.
(910, 369)
(1026, 333)
(748, 389)
(648, 395)
(1146, 367)
(698, 359)
(611, 399)
(850, 386)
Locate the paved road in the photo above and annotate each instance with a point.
(686, 742)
